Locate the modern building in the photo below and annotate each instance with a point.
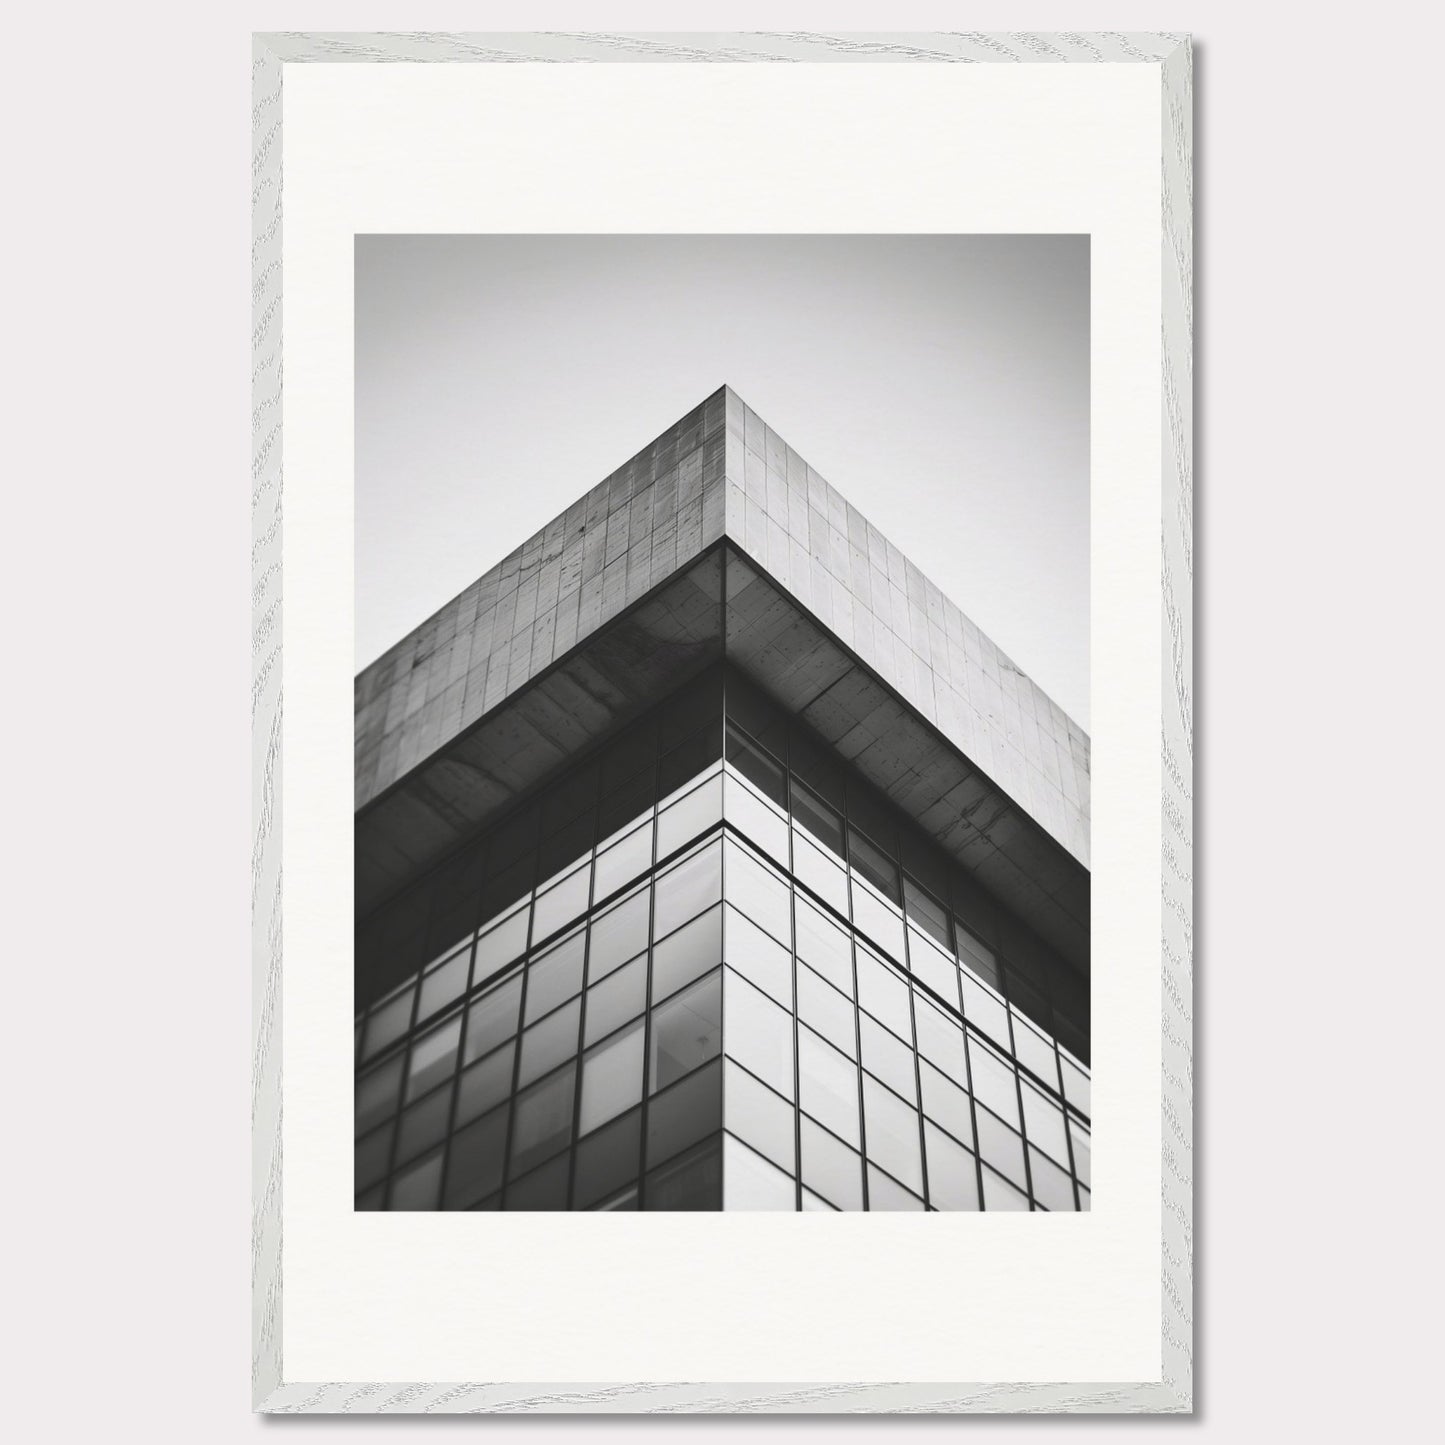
(708, 857)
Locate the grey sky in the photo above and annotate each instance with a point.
(940, 383)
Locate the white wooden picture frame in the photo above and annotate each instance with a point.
(277, 1385)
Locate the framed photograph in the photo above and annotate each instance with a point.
(723, 674)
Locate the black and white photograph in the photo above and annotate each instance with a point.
(722, 756)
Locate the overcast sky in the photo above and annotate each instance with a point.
(940, 383)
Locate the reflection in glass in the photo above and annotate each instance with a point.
(687, 954)
(686, 1031)
(619, 998)
(693, 1181)
(681, 1115)
(493, 1018)
(477, 1155)
(759, 1034)
(887, 1194)
(611, 1078)
(608, 1159)
(684, 891)
(485, 1084)
(619, 934)
(754, 889)
(444, 984)
(388, 1023)
(419, 1186)
(831, 1168)
(433, 1057)
(544, 1188)
(750, 1182)
(759, 1117)
(376, 1095)
(555, 977)
(423, 1125)
(823, 946)
(542, 1120)
(828, 1086)
(502, 944)
(759, 957)
(952, 1175)
(546, 1044)
(561, 903)
(891, 1129)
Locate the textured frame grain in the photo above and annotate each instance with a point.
(272, 1391)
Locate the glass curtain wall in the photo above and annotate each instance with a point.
(710, 973)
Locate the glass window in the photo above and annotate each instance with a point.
(828, 1086)
(686, 890)
(1044, 1123)
(687, 954)
(952, 1175)
(619, 934)
(542, 1189)
(823, 1008)
(930, 965)
(1052, 1186)
(993, 1081)
(433, 1057)
(1000, 1146)
(377, 1095)
(939, 1038)
(620, 862)
(750, 815)
(750, 1182)
(623, 1199)
(764, 772)
(608, 1160)
(547, 1044)
(882, 991)
(1076, 1085)
(888, 1059)
(492, 1018)
(1083, 1145)
(485, 1084)
(891, 1131)
(814, 1204)
(878, 920)
(477, 1154)
(373, 1198)
(446, 983)
(680, 1116)
(686, 1031)
(831, 1168)
(945, 1103)
(555, 977)
(757, 891)
(1034, 1051)
(886, 1194)
(618, 999)
(977, 957)
(759, 1117)
(871, 862)
(998, 1193)
(758, 957)
(984, 1009)
(373, 1156)
(611, 1078)
(390, 1021)
(927, 912)
(561, 902)
(759, 1034)
(420, 1186)
(693, 1181)
(423, 1125)
(821, 822)
(825, 947)
(689, 817)
(542, 1122)
(818, 870)
(502, 944)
